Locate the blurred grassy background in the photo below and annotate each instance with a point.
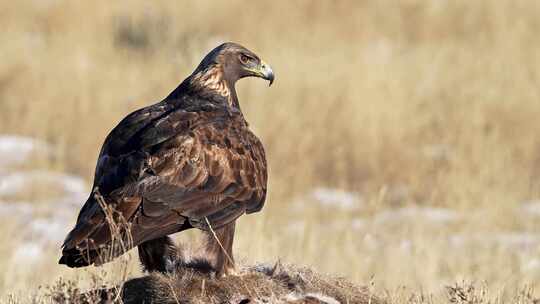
(405, 103)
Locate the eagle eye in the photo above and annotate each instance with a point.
(245, 59)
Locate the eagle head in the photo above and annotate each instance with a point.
(215, 77)
(231, 61)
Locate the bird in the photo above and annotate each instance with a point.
(187, 161)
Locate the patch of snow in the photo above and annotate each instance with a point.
(532, 265)
(415, 213)
(11, 184)
(34, 227)
(49, 229)
(406, 245)
(371, 241)
(310, 298)
(358, 224)
(16, 149)
(18, 209)
(517, 240)
(510, 240)
(457, 240)
(329, 197)
(531, 208)
(45, 222)
(27, 252)
(15, 182)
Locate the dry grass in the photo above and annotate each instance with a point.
(265, 284)
(425, 103)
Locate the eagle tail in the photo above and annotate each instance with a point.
(75, 258)
(98, 236)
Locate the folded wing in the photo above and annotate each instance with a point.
(162, 170)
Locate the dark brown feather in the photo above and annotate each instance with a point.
(169, 167)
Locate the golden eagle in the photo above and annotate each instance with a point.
(188, 161)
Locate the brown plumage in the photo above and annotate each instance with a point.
(187, 161)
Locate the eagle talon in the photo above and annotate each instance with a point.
(227, 272)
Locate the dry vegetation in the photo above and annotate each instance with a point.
(259, 283)
(405, 103)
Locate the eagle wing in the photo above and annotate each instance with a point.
(163, 170)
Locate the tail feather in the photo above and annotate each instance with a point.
(79, 257)
(99, 247)
(75, 258)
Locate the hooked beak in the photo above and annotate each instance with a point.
(265, 72)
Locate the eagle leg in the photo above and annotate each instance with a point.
(219, 249)
(159, 254)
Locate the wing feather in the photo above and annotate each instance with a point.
(161, 167)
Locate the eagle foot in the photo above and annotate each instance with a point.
(159, 254)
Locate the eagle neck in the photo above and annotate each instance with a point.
(212, 84)
(233, 97)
